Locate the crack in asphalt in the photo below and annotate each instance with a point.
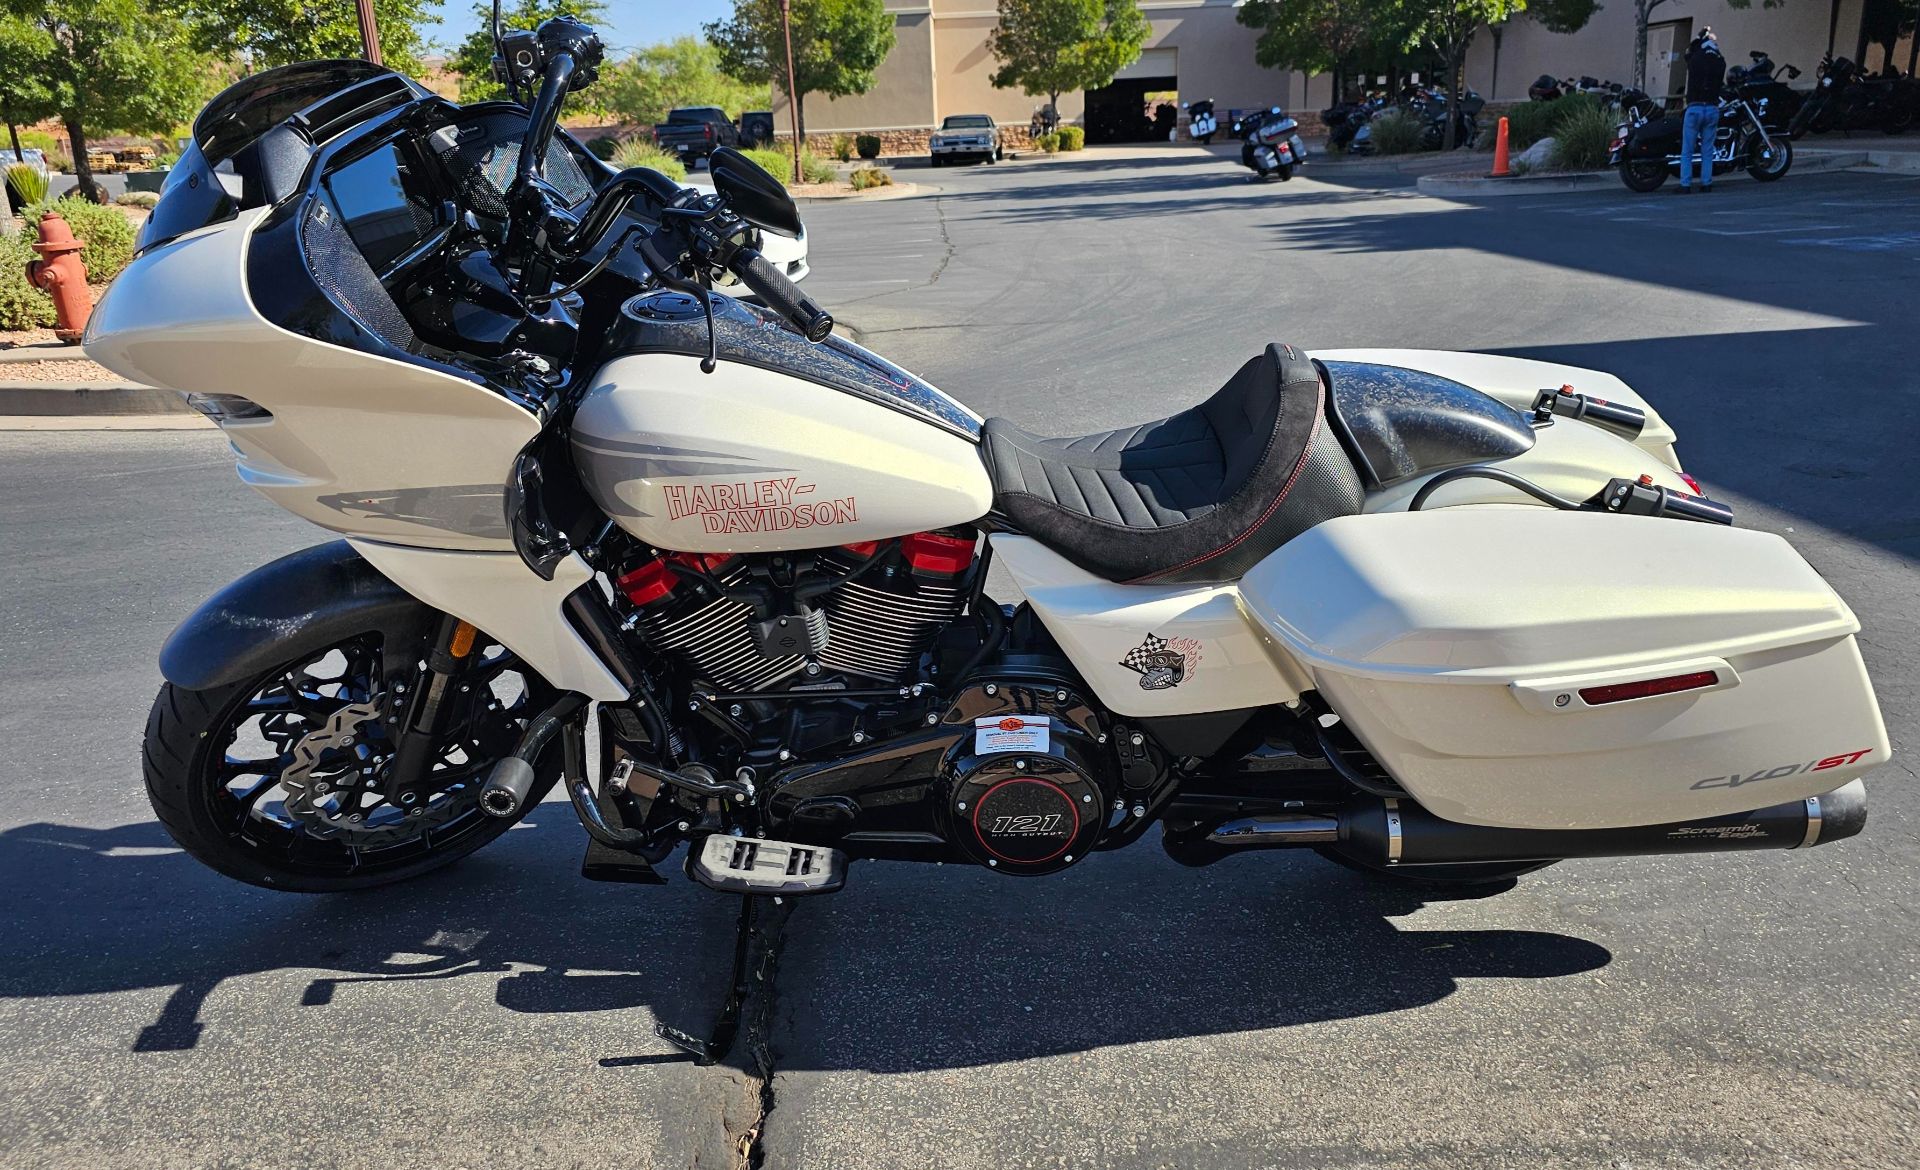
(756, 1035)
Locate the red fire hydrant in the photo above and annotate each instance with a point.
(61, 274)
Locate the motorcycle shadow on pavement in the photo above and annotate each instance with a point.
(912, 967)
(123, 909)
(917, 968)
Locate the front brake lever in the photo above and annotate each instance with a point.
(663, 272)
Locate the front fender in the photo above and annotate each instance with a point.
(300, 603)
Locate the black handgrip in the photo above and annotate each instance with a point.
(781, 294)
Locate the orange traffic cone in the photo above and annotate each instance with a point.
(1500, 168)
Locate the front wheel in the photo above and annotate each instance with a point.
(1768, 165)
(1643, 174)
(281, 780)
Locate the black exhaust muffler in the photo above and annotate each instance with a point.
(1401, 833)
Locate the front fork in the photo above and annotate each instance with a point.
(426, 716)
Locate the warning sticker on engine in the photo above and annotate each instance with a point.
(1011, 733)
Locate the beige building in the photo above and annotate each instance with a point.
(940, 64)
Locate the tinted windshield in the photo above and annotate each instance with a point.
(191, 198)
(249, 108)
(967, 122)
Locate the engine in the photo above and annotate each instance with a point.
(855, 615)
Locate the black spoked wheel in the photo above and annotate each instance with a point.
(1767, 164)
(284, 780)
(1643, 174)
(1489, 874)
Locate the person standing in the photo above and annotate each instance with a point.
(1706, 72)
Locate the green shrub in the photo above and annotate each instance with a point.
(61, 163)
(1397, 133)
(22, 306)
(843, 147)
(145, 199)
(815, 169)
(1047, 143)
(638, 152)
(864, 177)
(602, 148)
(39, 140)
(1529, 122)
(867, 145)
(1580, 142)
(779, 164)
(1071, 137)
(107, 232)
(28, 183)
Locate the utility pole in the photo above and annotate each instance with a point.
(793, 101)
(369, 32)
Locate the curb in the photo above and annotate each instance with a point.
(875, 194)
(1814, 163)
(88, 399)
(43, 351)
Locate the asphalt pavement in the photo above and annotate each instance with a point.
(1735, 1011)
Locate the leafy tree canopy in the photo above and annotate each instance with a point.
(1058, 46)
(837, 44)
(1320, 36)
(279, 32)
(682, 72)
(114, 65)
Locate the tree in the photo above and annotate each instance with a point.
(114, 65)
(278, 32)
(682, 72)
(1057, 46)
(1449, 26)
(1324, 36)
(473, 58)
(837, 47)
(24, 95)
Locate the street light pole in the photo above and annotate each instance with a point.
(793, 102)
(369, 32)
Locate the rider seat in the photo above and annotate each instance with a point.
(1199, 497)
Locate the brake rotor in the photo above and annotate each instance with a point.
(335, 769)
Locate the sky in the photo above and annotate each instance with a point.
(629, 24)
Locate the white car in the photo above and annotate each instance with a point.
(964, 136)
(789, 255)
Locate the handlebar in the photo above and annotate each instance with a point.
(781, 294)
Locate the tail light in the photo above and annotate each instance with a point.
(1647, 688)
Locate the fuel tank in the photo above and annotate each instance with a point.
(787, 445)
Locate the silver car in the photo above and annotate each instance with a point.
(964, 136)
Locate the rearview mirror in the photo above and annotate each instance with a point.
(754, 195)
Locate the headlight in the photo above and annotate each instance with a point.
(936, 140)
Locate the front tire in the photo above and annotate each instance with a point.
(1643, 174)
(1766, 169)
(221, 768)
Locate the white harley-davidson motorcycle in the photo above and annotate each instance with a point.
(1435, 615)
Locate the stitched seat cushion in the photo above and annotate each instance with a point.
(1198, 497)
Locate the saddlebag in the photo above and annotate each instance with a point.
(1532, 668)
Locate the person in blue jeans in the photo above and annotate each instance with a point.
(1706, 72)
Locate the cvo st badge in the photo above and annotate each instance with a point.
(1163, 663)
(1739, 778)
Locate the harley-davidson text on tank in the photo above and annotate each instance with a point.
(778, 504)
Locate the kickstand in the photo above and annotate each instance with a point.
(715, 1047)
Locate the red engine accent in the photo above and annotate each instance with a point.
(656, 579)
(937, 554)
(862, 548)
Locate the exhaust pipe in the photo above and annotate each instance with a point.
(1400, 832)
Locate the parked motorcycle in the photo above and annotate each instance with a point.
(1762, 86)
(578, 480)
(1273, 147)
(1201, 123)
(1847, 99)
(1646, 152)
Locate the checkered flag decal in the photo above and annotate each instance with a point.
(1142, 656)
